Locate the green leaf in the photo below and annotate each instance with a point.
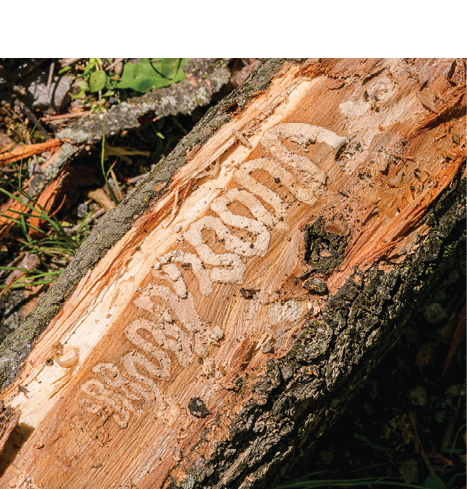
(64, 70)
(97, 81)
(91, 64)
(433, 482)
(83, 86)
(158, 73)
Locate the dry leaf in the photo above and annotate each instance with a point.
(101, 198)
(424, 355)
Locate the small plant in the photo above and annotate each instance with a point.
(56, 245)
(95, 80)
(141, 77)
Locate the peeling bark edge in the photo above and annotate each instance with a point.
(303, 393)
(115, 223)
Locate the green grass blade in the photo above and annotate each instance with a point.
(20, 201)
(26, 214)
(12, 269)
(83, 223)
(10, 218)
(345, 483)
(44, 214)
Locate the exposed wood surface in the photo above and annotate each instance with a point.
(159, 348)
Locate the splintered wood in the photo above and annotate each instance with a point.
(28, 151)
(136, 377)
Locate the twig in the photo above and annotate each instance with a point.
(14, 281)
(96, 214)
(49, 80)
(63, 117)
(418, 444)
(137, 179)
(12, 263)
(117, 60)
(68, 61)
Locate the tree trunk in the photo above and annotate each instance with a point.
(220, 318)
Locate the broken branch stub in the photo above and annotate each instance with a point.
(217, 335)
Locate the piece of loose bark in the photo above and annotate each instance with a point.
(40, 187)
(28, 151)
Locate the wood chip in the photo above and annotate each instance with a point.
(28, 151)
(427, 98)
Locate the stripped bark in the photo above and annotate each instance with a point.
(220, 318)
(28, 151)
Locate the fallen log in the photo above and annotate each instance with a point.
(220, 318)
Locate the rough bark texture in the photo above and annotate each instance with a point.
(205, 76)
(361, 253)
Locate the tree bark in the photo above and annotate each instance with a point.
(204, 77)
(219, 319)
